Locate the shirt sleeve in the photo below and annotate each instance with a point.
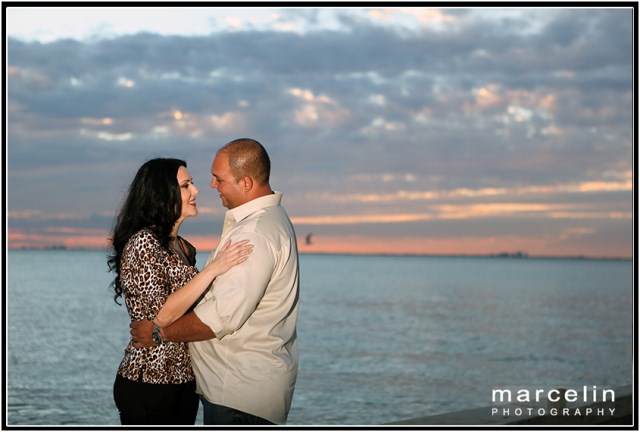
(236, 294)
(143, 276)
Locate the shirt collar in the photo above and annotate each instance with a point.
(246, 209)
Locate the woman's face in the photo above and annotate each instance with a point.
(188, 192)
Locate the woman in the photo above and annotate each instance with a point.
(155, 271)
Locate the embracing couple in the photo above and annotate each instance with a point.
(225, 335)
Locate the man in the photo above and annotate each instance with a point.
(243, 346)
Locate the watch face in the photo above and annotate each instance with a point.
(155, 336)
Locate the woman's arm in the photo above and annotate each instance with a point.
(179, 301)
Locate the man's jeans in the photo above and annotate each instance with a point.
(221, 415)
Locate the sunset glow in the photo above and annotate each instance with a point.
(404, 130)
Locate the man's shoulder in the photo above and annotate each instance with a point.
(270, 217)
(271, 223)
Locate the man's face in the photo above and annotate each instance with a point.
(230, 190)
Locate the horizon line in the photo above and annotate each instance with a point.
(503, 255)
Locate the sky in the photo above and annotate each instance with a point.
(402, 130)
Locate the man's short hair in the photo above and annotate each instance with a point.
(248, 158)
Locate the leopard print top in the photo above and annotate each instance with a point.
(148, 274)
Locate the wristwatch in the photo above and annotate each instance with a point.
(156, 336)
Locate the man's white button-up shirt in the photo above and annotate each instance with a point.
(252, 363)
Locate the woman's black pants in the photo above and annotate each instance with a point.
(155, 404)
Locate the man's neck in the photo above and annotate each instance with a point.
(260, 192)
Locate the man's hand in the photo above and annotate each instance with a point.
(141, 333)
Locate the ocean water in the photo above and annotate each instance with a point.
(382, 338)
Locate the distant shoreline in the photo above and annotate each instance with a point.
(506, 256)
(500, 256)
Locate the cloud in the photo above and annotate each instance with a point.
(370, 115)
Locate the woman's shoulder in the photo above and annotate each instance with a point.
(187, 245)
(188, 249)
(144, 238)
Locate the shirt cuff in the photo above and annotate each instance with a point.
(206, 312)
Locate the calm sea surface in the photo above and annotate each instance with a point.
(382, 338)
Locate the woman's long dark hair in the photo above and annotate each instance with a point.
(153, 201)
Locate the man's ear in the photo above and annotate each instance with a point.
(247, 183)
